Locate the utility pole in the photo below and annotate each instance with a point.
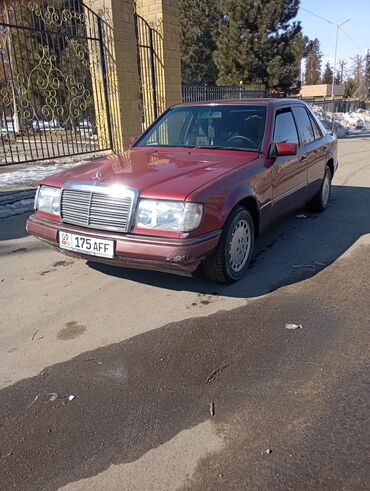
(335, 55)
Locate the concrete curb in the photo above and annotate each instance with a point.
(10, 197)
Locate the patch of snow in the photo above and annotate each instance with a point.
(33, 173)
(345, 123)
(17, 208)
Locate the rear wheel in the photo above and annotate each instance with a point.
(321, 200)
(229, 262)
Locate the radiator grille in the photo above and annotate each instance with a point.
(96, 209)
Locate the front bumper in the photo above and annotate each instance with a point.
(180, 256)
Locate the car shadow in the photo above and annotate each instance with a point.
(292, 250)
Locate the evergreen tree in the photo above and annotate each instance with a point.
(19, 59)
(337, 78)
(257, 43)
(198, 20)
(313, 63)
(350, 88)
(327, 77)
(76, 95)
(33, 59)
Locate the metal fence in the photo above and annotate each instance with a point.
(338, 104)
(198, 93)
(148, 71)
(53, 89)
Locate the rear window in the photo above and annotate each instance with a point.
(315, 127)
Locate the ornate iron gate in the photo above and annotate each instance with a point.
(148, 71)
(53, 88)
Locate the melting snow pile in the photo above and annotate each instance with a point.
(33, 173)
(14, 205)
(345, 123)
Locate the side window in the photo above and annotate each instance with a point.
(304, 125)
(315, 127)
(285, 129)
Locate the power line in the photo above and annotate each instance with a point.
(352, 41)
(318, 16)
(334, 24)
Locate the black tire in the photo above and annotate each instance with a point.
(219, 266)
(321, 200)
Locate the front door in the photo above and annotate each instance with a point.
(289, 174)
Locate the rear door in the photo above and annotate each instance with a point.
(311, 156)
(289, 175)
(316, 168)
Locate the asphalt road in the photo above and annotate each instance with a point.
(182, 384)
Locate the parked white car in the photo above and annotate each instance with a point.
(8, 129)
(41, 125)
(84, 126)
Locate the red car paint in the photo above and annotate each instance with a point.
(220, 179)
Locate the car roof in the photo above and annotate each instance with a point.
(261, 101)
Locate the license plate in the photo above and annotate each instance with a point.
(86, 245)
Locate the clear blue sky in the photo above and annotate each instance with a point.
(358, 28)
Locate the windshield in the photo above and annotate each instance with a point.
(229, 127)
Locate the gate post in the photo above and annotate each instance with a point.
(121, 68)
(163, 17)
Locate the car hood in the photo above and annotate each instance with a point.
(170, 173)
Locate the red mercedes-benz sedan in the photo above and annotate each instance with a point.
(197, 187)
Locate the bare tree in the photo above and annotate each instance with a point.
(367, 74)
(359, 77)
(342, 72)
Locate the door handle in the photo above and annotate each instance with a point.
(324, 147)
(303, 159)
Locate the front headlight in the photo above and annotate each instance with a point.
(175, 216)
(48, 200)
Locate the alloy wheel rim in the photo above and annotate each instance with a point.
(326, 190)
(240, 245)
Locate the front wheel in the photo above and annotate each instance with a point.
(229, 262)
(321, 200)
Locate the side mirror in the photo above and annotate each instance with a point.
(283, 149)
(131, 141)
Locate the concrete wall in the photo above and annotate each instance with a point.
(122, 77)
(122, 71)
(163, 17)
